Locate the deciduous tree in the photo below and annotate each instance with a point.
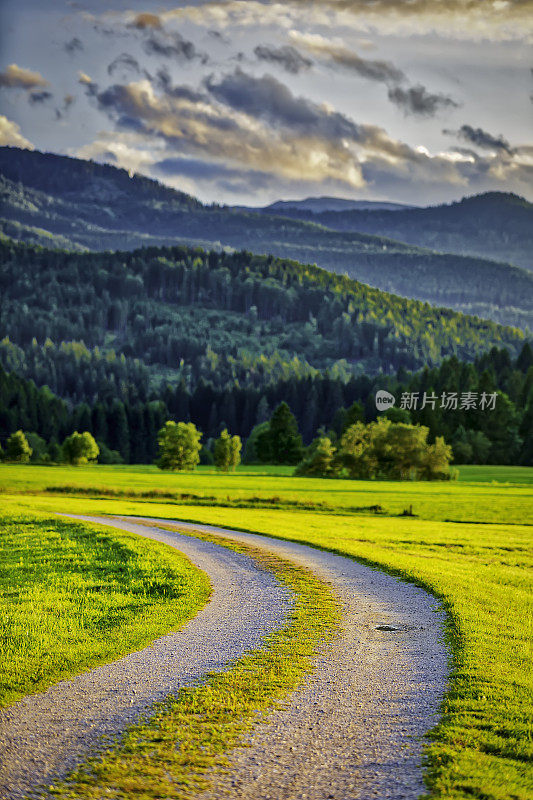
(80, 448)
(17, 448)
(227, 451)
(179, 446)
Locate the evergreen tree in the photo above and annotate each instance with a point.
(280, 443)
(38, 447)
(250, 454)
(119, 434)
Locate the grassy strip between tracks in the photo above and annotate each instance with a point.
(74, 595)
(170, 753)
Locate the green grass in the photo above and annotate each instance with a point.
(74, 595)
(483, 747)
(486, 494)
(169, 753)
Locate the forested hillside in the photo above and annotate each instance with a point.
(127, 430)
(221, 317)
(495, 225)
(68, 203)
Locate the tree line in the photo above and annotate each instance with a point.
(320, 403)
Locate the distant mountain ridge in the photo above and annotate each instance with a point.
(57, 201)
(319, 204)
(495, 225)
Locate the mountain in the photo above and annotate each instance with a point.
(318, 204)
(494, 225)
(56, 201)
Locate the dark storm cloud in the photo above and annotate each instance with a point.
(171, 45)
(164, 82)
(37, 98)
(198, 168)
(229, 179)
(481, 138)
(269, 99)
(418, 101)
(414, 100)
(287, 57)
(381, 71)
(124, 62)
(74, 46)
(338, 55)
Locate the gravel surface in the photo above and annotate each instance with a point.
(44, 735)
(354, 730)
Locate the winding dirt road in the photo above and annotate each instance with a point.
(353, 731)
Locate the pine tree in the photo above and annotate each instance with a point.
(280, 443)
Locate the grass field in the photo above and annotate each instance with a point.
(483, 746)
(74, 595)
(485, 494)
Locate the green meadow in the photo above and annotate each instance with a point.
(481, 494)
(468, 541)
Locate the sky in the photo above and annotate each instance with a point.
(248, 102)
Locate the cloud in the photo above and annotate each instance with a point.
(418, 101)
(481, 138)
(91, 88)
(37, 98)
(206, 128)
(241, 128)
(68, 101)
(268, 99)
(375, 70)
(15, 77)
(171, 45)
(287, 57)
(209, 173)
(146, 21)
(124, 63)
(74, 45)
(128, 150)
(499, 20)
(10, 135)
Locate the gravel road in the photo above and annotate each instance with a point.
(44, 735)
(353, 732)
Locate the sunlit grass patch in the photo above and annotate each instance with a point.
(73, 595)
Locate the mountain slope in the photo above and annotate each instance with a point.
(495, 225)
(191, 315)
(55, 200)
